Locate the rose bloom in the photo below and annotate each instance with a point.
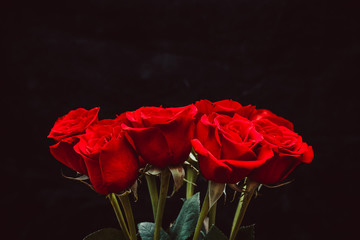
(111, 161)
(289, 152)
(228, 147)
(230, 107)
(66, 131)
(161, 136)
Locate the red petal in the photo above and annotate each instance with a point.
(119, 165)
(263, 113)
(64, 152)
(151, 145)
(207, 134)
(95, 175)
(210, 167)
(308, 155)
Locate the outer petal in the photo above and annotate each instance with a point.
(204, 107)
(242, 167)
(227, 107)
(226, 171)
(275, 170)
(119, 165)
(246, 111)
(64, 152)
(91, 161)
(308, 155)
(210, 167)
(150, 144)
(95, 175)
(178, 134)
(263, 113)
(279, 167)
(208, 135)
(83, 119)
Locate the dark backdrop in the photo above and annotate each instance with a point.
(296, 58)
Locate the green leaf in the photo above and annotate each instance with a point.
(247, 232)
(106, 234)
(185, 223)
(146, 231)
(216, 234)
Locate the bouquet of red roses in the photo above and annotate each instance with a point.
(228, 144)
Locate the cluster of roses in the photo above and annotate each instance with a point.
(231, 141)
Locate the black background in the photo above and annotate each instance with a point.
(299, 59)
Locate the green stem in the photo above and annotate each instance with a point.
(203, 214)
(191, 176)
(212, 215)
(244, 201)
(151, 182)
(124, 199)
(164, 185)
(119, 214)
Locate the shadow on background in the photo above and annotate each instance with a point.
(298, 59)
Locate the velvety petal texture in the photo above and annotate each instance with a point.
(98, 149)
(111, 161)
(66, 132)
(162, 136)
(73, 123)
(266, 114)
(225, 107)
(63, 152)
(289, 151)
(228, 147)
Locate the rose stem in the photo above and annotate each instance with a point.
(203, 214)
(124, 199)
(119, 214)
(191, 179)
(151, 182)
(244, 201)
(212, 215)
(164, 185)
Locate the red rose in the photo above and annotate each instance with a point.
(229, 107)
(66, 131)
(162, 135)
(289, 151)
(228, 147)
(111, 161)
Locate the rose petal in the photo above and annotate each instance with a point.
(208, 136)
(119, 165)
(64, 152)
(308, 155)
(95, 175)
(178, 134)
(263, 113)
(151, 145)
(274, 170)
(210, 167)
